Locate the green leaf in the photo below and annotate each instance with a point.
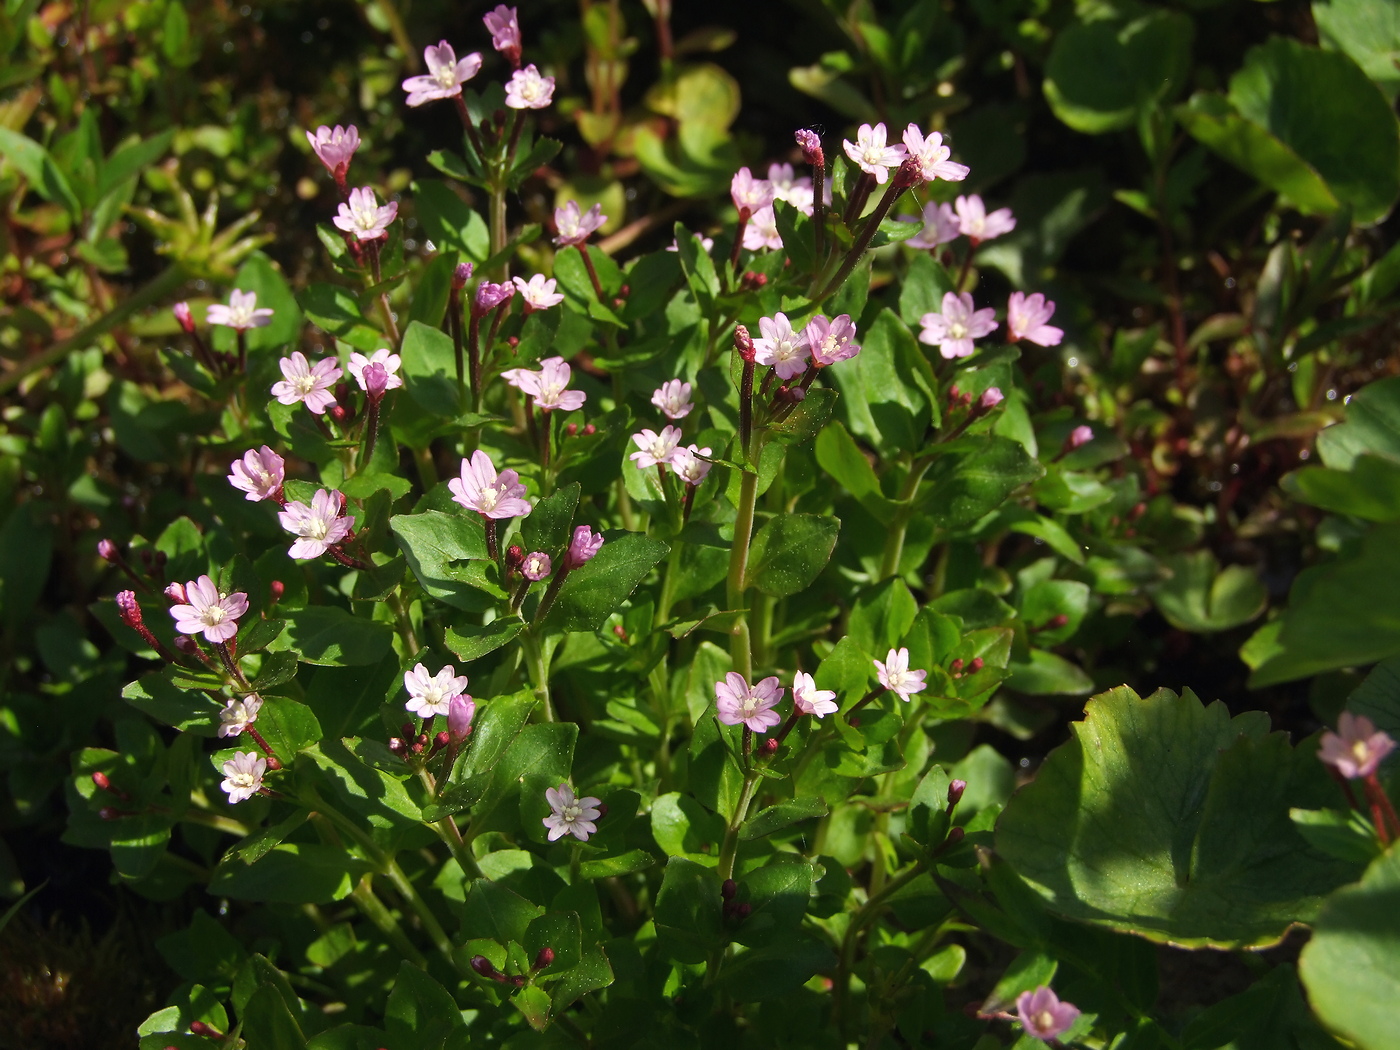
(1372, 426)
(1270, 1015)
(974, 477)
(330, 636)
(267, 1021)
(840, 456)
(287, 726)
(806, 420)
(1368, 31)
(684, 828)
(688, 912)
(593, 973)
(1351, 966)
(420, 1012)
(887, 391)
(548, 526)
(336, 310)
(353, 783)
(494, 913)
(184, 709)
(778, 969)
(597, 589)
(1369, 490)
(447, 553)
(39, 169)
(789, 552)
(1199, 596)
(542, 751)
(1168, 819)
(449, 222)
(292, 873)
(781, 815)
(1044, 673)
(470, 642)
(498, 722)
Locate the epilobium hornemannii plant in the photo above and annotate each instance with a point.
(731, 561)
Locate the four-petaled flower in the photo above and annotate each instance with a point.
(572, 815)
(504, 27)
(656, 449)
(894, 675)
(575, 226)
(548, 386)
(529, 90)
(490, 494)
(932, 156)
(1356, 749)
(302, 382)
(738, 703)
(830, 340)
(538, 292)
(691, 464)
(243, 775)
(259, 473)
(238, 714)
(536, 566)
(334, 147)
(780, 348)
(748, 193)
(584, 547)
(673, 398)
(364, 216)
(382, 357)
(807, 699)
(977, 224)
(1026, 316)
(762, 230)
(209, 613)
(321, 525)
(446, 74)
(241, 313)
(870, 153)
(957, 326)
(941, 225)
(431, 694)
(1043, 1015)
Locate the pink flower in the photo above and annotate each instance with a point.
(302, 382)
(318, 526)
(491, 495)
(1080, 435)
(779, 347)
(788, 187)
(748, 193)
(991, 397)
(243, 775)
(1357, 748)
(957, 326)
(175, 592)
(238, 714)
(536, 566)
(445, 76)
(761, 231)
(977, 224)
(431, 694)
(383, 357)
(830, 341)
(870, 153)
(706, 243)
(738, 703)
(504, 27)
(335, 146)
(538, 292)
(575, 226)
(894, 675)
(259, 473)
(528, 90)
(1026, 317)
(940, 226)
(807, 699)
(656, 449)
(241, 313)
(547, 386)
(213, 614)
(691, 464)
(1043, 1015)
(489, 296)
(584, 547)
(364, 216)
(185, 317)
(572, 815)
(932, 156)
(459, 718)
(673, 398)
(810, 143)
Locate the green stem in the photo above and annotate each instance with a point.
(498, 225)
(404, 622)
(539, 671)
(738, 569)
(867, 914)
(729, 852)
(668, 586)
(894, 541)
(373, 909)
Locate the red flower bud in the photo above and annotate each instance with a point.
(589, 429)
(513, 341)
(544, 958)
(276, 589)
(107, 550)
(955, 792)
(442, 739)
(770, 746)
(571, 430)
(728, 889)
(743, 344)
(482, 965)
(976, 664)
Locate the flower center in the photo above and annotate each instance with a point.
(304, 385)
(1360, 751)
(490, 497)
(214, 615)
(446, 76)
(1044, 1020)
(957, 330)
(571, 812)
(244, 780)
(872, 154)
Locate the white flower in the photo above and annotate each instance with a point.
(941, 225)
(241, 313)
(243, 775)
(894, 675)
(932, 156)
(957, 326)
(656, 449)
(430, 695)
(383, 357)
(575, 226)
(446, 74)
(762, 230)
(538, 292)
(780, 348)
(673, 398)
(364, 216)
(870, 153)
(528, 90)
(259, 473)
(807, 699)
(691, 464)
(239, 714)
(748, 193)
(490, 494)
(977, 224)
(306, 383)
(318, 526)
(334, 147)
(572, 815)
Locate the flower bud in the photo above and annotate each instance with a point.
(728, 888)
(1080, 435)
(107, 551)
(975, 665)
(103, 784)
(544, 958)
(991, 397)
(459, 717)
(743, 344)
(442, 739)
(584, 546)
(129, 610)
(743, 911)
(200, 1028)
(791, 394)
(184, 316)
(338, 413)
(460, 277)
(571, 430)
(954, 837)
(109, 813)
(956, 665)
(908, 174)
(489, 296)
(625, 291)
(407, 730)
(620, 632)
(752, 282)
(769, 746)
(512, 341)
(176, 593)
(589, 430)
(1056, 622)
(482, 965)
(276, 589)
(810, 143)
(396, 746)
(376, 382)
(515, 557)
(955, 792)
(186, 644)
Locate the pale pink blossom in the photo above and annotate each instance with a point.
(748, 193)
(489, 296)
(309, 385)
(807, 699)
(761, 231)
(655, 449)
(691, 464)
(801, 196)
(209, 613)
(490, 494)
(780, 348)
(957, 326)
(243, 775)
(673, 398)
(538, 292)
(459, 718)
(321, 525)
(175, 592)
(871, 154)
(385, 358)
(932, 156)
(894, 675)
(536, 566)
(335, 147)
(241, 313)
(1080, 435)
(529, 90)
(504, 27)
(238, 714)
(706, 243)
(1042, 1014)
(259, 473)
(738, 703)
(445, 77)
(1357, 748)
(1026, 317)
(991, 397)
(830, 341)
(571, 815)
(940, 226)
(583, 547)
(977, 224)
(548, 386)
(575, 226)
(785, 181)
(185, 317)
(364, 216)
(431, 694)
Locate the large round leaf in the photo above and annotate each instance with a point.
(1368, 31)
(1169, 819)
